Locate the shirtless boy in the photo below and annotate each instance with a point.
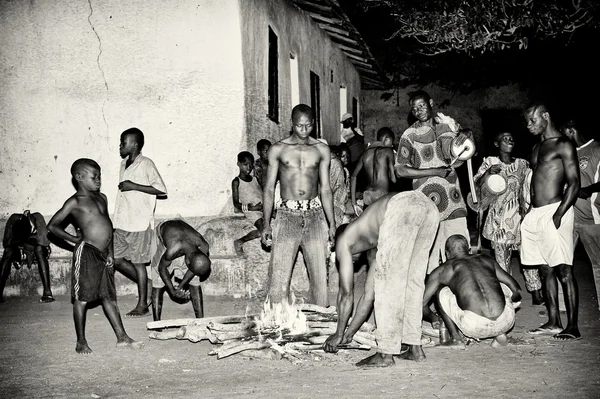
(92, 276)
(304, 213)
(182, 253)
(547, 230)
(469, 296)
(397, 230)
(378, 164)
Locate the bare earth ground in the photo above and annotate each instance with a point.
(37, 359)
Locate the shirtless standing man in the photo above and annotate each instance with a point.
(378, 163)
(547, 230)
(301, 163)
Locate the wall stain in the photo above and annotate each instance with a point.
(99, 65)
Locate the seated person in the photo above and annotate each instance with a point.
(470, 296)
(26, 232)
(182, 253)
(246, 195)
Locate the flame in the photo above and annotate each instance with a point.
(282, 316)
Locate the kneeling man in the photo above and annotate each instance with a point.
(181, 254)
(470, 296)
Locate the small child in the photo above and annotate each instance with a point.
(92, 276)
(247, 198)
(262, 163)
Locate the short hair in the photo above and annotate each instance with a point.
(81, 163)
(137, 134)
(457, 243)
(537, 105)
(302, 109)
(501, 133)
(200, 265)
(262, 144)
(415, 95)
(245, 156)
(385, 132)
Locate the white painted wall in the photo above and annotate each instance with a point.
(75, 74)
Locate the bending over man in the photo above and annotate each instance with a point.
(470, 297)
(398, 231)
(182, 253)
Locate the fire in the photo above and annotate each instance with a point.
(283, 317)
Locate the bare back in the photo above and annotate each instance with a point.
(179, 238)
(378, 163)
(298, 167)
(91, 217)
(549, 161)
(473, 281)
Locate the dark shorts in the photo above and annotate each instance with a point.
(90, 278)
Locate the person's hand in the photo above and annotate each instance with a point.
(266, 236)
(127, 185)
(556, 219)
(357, 210)
(332, 343)
(257, 207)
(585, 192)
(110, 261)
(495, 169)
(78, 236)
(516, 297)
(180, 295)
(443, 171)
(332, 233)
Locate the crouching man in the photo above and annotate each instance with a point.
(181, 254)
(470, 297)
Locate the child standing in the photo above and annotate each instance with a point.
(139, 185)
(92, 276)
(247, 198)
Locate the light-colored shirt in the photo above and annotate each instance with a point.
(134, 210)
(587, 211)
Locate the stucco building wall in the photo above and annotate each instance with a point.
(75, 74)
(314, 50)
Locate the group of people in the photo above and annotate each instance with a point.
(300, 193)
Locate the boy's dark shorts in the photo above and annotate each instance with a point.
(90, 278)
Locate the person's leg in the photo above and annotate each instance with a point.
(571, 293)
(314, 247)
(5, 269)
(455, 339)
(114, 318)
(533, 284)
(287, 231)
(550, 288)
(44, 270)
(502, 253)
(239, 243)
(137, 273)
(589, 238)
(79, 316)
(197, 301)
(157, 302)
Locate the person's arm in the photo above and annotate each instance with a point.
(509, 280)
(269, 193)
(432, 284)
(235, 194)
(325, 189)
(390, 162)
(359, 166)
(345, 297)
(156, 184)
(568, 154)
(54, 225)
(128, 185)
(163, 271)
(365, 303)
(403, 166)
(587, 191)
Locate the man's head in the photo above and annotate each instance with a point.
(132, 140)
(302, 120)
(347, 120)
(199, 264)
(505, 142)
(456, 245)
(386, 136)
(421, 105)
(245, 161)
(538, 118)
(86, 173)
(262, 148)
(21, 229)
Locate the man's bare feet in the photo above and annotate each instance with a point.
(127, 342)
(414, 352)
(138, 312)
(568, 334)
(499, 341)
(377, 360)
(82, 348)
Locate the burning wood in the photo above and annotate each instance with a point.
(282, 328)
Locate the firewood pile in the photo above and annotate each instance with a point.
(279, 331)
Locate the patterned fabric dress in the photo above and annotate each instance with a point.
(422, 147)
(503, 223)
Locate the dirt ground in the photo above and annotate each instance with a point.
(37, 359)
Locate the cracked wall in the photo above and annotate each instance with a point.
(75, 74)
